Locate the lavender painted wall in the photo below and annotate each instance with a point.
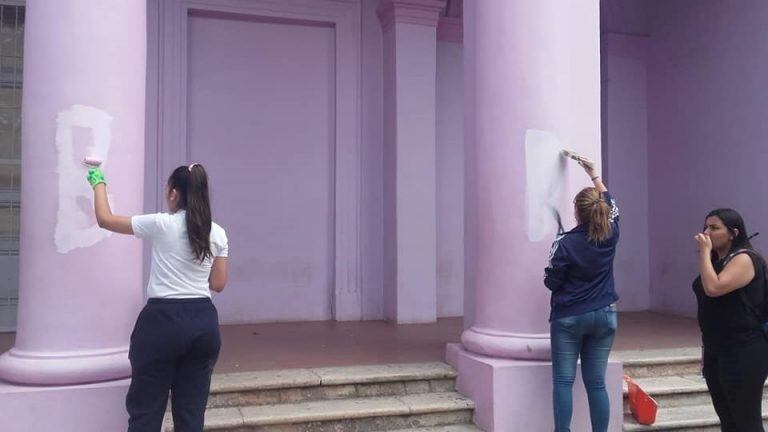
(371, 160)
(707, 128)
(271, 180)
(389, 196)
(470, 171)
(625, 152)
(450, 179)
(372, 203)
(410, 172)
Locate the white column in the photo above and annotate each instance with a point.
(410, 227)
(532, 73)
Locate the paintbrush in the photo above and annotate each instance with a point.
(568, 153)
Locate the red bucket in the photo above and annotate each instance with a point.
(642, 406)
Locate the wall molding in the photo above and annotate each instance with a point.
(450, 30)
(422, 12)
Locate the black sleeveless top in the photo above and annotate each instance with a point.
(726, 322)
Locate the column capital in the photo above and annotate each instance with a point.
(422, 12)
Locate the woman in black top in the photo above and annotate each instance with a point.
(730, 293)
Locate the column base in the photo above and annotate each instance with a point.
(507, 345)
(85, 408)
(516, 395)
(64, 368)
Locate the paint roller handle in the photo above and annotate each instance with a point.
(96, 176)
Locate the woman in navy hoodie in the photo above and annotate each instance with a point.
(583, 316)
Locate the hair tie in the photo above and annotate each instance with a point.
(190, 167)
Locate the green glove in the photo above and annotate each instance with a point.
(96, 176)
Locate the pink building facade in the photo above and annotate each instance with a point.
(371, 160)
(338, 137)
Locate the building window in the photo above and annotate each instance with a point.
(11, 54)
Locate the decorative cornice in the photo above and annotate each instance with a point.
(450, 30)
(422, 12)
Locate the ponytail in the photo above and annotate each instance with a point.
(192, 184)
(592, 210)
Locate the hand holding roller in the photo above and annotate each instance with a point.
(95, 174)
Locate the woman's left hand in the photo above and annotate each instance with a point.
(704, 243)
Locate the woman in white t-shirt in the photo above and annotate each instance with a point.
(175, 342)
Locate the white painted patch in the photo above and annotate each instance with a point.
(75, 227)
(544, 176)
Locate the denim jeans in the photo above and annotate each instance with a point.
(589, 336)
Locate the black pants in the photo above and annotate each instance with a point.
(174, 347)
(735, 380)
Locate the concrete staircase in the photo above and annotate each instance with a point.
(421, 397)
(394, 398)
(673, 378)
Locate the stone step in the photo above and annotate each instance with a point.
(673, 391)
(297, 385)
(447, 428)
(344, 415)
(695, 418)
(658, 363)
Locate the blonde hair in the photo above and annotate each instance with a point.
(591, 209)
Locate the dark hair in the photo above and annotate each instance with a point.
(591, 209)
(191, 182)
(733, 222)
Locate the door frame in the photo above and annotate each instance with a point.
(166, 119)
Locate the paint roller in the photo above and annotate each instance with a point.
(92, 161)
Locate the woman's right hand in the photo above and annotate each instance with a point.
(95, 177)
(589, 168)
(703, 244)
(588, 165)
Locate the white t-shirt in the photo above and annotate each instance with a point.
(175, 272)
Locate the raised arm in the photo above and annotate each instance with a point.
(737, 274)
(589, 168)
(104, 216)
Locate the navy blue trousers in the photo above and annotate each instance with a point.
(174, 347)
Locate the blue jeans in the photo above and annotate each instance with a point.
(589, 336)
